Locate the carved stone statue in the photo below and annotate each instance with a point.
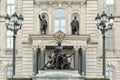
(75, 26)
(43, 24)
(58, 60)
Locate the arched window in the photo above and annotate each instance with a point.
(9, 71)
(60, 20)
(110, 72)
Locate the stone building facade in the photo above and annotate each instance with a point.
(89, 38)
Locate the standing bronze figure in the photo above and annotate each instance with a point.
(75, 26)
(43, 25)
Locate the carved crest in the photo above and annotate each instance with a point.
(59, 36)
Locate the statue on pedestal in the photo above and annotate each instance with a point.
(43, 24)
(75, 26)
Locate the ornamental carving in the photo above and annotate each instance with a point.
(59, 36)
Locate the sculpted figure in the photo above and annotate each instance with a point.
(58, 60)
(43, 24)
(75, 26)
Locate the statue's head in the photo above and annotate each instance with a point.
(59, 43)
(43, 16)
(75, 17)
(55, 51)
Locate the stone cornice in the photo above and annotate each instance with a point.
(67, 37)
(59, 0)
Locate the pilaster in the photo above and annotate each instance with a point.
(76, 58)
(27, 64)
(27, 9)
(42, 57)
(91, 60)
(91, 12)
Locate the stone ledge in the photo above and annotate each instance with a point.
(19, 79)
(96, 79)
(80, 79)
(83, 37)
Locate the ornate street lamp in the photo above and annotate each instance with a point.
(100, 22)
(14, 27)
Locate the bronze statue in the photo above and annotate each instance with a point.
(43, 24)
(58, 60)
(75, 26)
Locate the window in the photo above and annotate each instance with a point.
(10, 7)
(110, 40)
(9, 71)
(60, 20)
(109, 7)
(110, 72)
(10, 11)
(9, 39)
(109, 2)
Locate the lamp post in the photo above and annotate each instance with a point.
(14, 27)
(101, 25)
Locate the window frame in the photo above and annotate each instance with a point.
(9, 44)
(9, 69)
(109, 40)
(109, 7)
(59, 19)
(109, 69)
(10, 11)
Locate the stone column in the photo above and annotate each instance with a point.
(42, 57)
(76, 59)
(38, 59)
(34, 61)
(80, 60)
(83, 61)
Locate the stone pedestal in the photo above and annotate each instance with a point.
(58, 75)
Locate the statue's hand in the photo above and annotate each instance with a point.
(39, 16)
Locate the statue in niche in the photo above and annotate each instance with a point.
(43, 24)
(58, 60)
(75, 26)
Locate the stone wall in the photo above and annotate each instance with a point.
(30, 11)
